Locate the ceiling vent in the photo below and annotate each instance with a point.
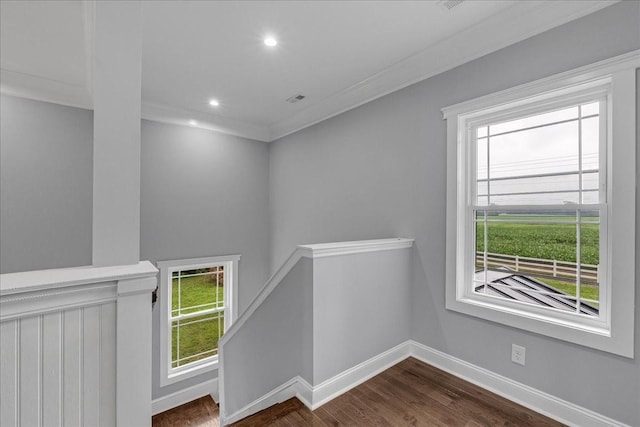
(449, 4)
(295, 98)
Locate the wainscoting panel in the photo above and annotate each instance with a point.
(8, 372)
(51, 368)
(59, 368)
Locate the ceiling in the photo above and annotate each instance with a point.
(338, 54)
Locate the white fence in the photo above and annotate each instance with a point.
(543, 267)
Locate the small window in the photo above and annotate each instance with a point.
(541, 208)
(197, 298)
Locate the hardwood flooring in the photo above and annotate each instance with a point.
(410, 393)
(201, 412)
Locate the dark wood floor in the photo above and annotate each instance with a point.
(408, 394)
(202, 412)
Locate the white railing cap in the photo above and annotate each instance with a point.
(12, 283)
(318, 250)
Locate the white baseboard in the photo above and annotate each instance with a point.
(315, 396)
(345, 381)
(541, 402)
(186, 395)
(279, 394)
(304, 392)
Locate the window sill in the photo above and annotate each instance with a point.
(597, 337)
(190, 372)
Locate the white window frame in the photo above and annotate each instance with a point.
(615, 79)
(169, 375)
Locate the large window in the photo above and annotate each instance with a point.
(197, 301)
(541, 208)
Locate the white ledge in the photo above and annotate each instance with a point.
(28, 281)
(320, 250)
(317, 250)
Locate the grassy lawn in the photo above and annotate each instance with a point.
(198, 334)
(586, 291)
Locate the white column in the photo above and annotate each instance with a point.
(116, 132)
(133, 352)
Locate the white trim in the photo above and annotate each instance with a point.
(321, 250)
(37, 88)
(305, 392)
(28, 281)
(262, 295)
(186, 395)
(539, 401)
(279, 394)
(36, 303)
(315, 396)
(352, 377)
(214, 122)
(517, 23)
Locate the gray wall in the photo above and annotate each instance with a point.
(273, 345)
(379, 171)
(203, 194)
(46, 185)
(361, 308)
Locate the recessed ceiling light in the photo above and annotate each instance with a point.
(214, 102)
(270, 41)
(193, 123)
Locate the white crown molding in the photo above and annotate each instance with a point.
(517, 23)
(42, 89)
(89, 20)
(167, 114)
(39, 88)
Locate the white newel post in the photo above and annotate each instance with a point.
(133, 352)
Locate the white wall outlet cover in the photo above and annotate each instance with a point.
(518, 354)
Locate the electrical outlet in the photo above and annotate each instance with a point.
(518, 354)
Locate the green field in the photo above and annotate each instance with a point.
(545, 241)
(203, 332)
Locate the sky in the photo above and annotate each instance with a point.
(550, 144)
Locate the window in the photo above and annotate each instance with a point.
(197, 299)
(541, 208)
